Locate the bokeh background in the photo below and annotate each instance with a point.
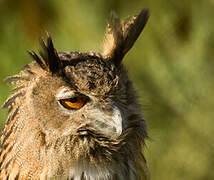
(171, 64)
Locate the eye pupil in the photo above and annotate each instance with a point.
(73, 100)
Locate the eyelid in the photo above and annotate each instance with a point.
(65, 93)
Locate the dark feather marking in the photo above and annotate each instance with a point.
(30, 72)
(5, 137)
(37, 59)
(83, 176)
(7, 164)
(11, 100)
(3, 148)
(27, 67)
(13, 79)
(4, 156)
(18, 88)
(17, 176)
(10, 148)
(0, 166)
(10, 118)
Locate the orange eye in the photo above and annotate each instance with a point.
(74, 103)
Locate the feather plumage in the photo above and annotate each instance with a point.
(103, 139)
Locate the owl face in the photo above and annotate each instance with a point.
(83, 98)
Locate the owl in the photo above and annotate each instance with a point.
(75, 115)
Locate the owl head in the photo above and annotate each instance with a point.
(82, 104)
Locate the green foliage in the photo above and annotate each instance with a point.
(171, 64)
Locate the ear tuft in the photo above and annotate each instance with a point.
(120, 37)
(49, 59)
(132, 27)
(113, 38)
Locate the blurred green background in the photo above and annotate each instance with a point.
(171, 64)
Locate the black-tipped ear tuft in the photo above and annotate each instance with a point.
(49, 59)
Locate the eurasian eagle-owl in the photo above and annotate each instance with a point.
(75, 115)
